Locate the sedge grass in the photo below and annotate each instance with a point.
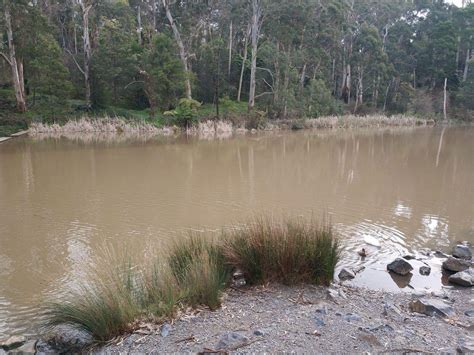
(195, 273)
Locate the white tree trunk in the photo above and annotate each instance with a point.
(139, 25)
(86, 8)
(466, 65)
(246, 45)
(16, 66)
(182, 50)
(255, 25)
(445, 101)
(230, 49)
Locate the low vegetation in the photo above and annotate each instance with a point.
(195, 273)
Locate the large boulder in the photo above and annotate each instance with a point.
(456, 265)
(432, 307)
(463, 278)
(462, 251)
(400, 266)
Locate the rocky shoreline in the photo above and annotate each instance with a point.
(277, 318)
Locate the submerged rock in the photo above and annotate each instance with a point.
(400, 266)
(346, 274)
(456, 265)
(463, 278)
(432, 307)
(425, 270)
(28, 348)
(231, 340)
(13, 342)
(462, 251)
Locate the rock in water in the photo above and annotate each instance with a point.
(432, 307)
(28, 348)
(425, 270)
(456, 265)
(346, 274)
(462, 252)
(400, 266)
(13, 342)
(463, 278)
(232, 340)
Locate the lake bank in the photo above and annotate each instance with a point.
(219, 128)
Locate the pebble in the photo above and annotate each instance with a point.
(319, 322)
(258, 333)
(231, 340)
(425, 270)
(469, 313)
(352, 317)
(165, 330)
(432, 307)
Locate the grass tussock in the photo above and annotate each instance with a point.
(194, 273)
(289, 252)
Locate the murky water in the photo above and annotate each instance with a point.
(61, 200)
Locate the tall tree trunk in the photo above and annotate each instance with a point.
(303, 77)
(16, 66)
(466, 65)
(139, 25)
(276, 85)
(246, 45)
(230, 50)
(182, 50)
(445, 101)
(255, 24)
(87, 51)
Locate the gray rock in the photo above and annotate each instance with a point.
(425, 270)
(400, 266)
(440, 254)
(346, 274)
(231, 340)
(165, 330)
(28, 348)
(13, 342)
(258, 333)
(352, 317)
(462, 252)
(465, 346)
(469, 313)
(456, 265)
(323, 309)
(409, 257)
(319, 322)
(463, 278)
(432, 307)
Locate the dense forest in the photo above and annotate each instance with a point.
(303, 58)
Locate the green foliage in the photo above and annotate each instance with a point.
(318, 100)
(185, 114)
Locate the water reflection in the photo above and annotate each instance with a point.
(62, 200)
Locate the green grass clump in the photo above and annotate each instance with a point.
(195, 272)
(288, 252)
(105, 307)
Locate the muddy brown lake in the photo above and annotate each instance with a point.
(390, 191)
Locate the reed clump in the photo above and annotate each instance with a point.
(289, 252)
(195, 273)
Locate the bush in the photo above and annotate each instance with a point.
(185, 113)
(291, 252)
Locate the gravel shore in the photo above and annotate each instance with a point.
(341, 319)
